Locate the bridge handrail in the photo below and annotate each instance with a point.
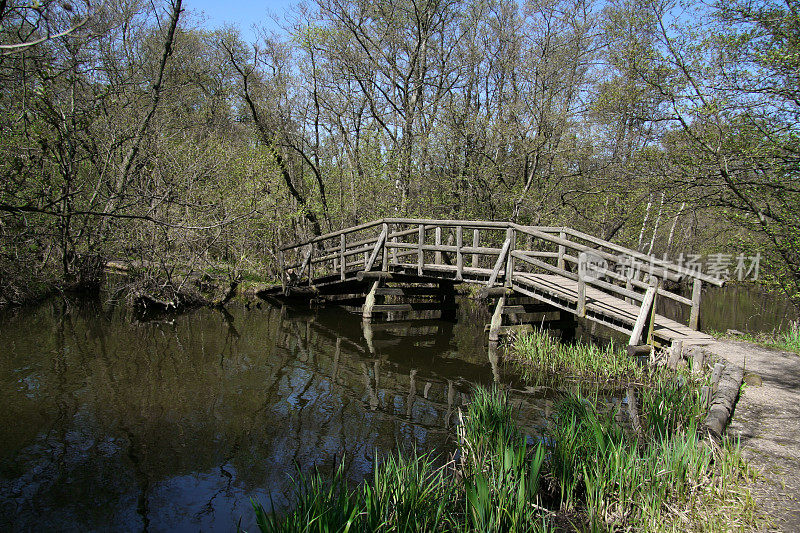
(669, 265)
(668, 270)
(675, 271)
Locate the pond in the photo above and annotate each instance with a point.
(110, 422)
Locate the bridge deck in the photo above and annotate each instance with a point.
(562, 292)
(604, 308)
(547, 264)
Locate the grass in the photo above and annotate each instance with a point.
(588, 472)
(493, 486)
(542, 357)
(788, 340)
(668, 480)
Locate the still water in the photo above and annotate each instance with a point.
(109, 423)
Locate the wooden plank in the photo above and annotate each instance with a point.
(403, 233)
(484, 250)
(420, 252)
(652, 320)
(616, 289)
(493, 292)
(385, 258)
(378, 246)
(412, 306)
(528, 308)
(393, 239)
(476, 235)
(694, 317)
(369, 301)
(511, 235)
(342, 259)
(497, 320)
(546, 266)
(644, 314)
(438, 242)
(580, 304)
(459, 254)
(584, 248)
(327, 236)
(409, 291)
(481, 224)
(500, 260)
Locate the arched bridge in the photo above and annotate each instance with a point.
(527, 269)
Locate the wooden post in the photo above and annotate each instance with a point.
(561, 250)
(369, 301)
(511, 236)
(438, 256)
(459, 255)
(380, 244)
(698, 360)
(694, 317)
(475, 242)
(644, 314)
(342, 258)
(500, 260)
(385, 257)
(497, 319)
(675, 354)
(652, 320)
(420, 253)
(394, 240)
(581, 304)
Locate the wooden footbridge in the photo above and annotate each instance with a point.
(531, 271)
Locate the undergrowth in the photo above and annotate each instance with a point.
(587, 472)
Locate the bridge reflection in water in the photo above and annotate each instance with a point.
(110, 423)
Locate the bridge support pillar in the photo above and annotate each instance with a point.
(369, 301)
(497, 320)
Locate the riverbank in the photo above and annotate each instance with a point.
(638, 463)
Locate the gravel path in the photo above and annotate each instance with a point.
(767, 420)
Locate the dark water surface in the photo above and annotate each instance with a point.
(736, 306)
(114, 424)
(111, 423)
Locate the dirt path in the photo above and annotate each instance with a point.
(767, 420)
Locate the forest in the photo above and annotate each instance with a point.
(132, 133)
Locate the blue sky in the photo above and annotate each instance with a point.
(241, 13)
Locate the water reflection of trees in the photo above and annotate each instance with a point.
(179, 421)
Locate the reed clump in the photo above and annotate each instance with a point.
(586, 472)
(543, 358)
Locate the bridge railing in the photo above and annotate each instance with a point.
(492, 253)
